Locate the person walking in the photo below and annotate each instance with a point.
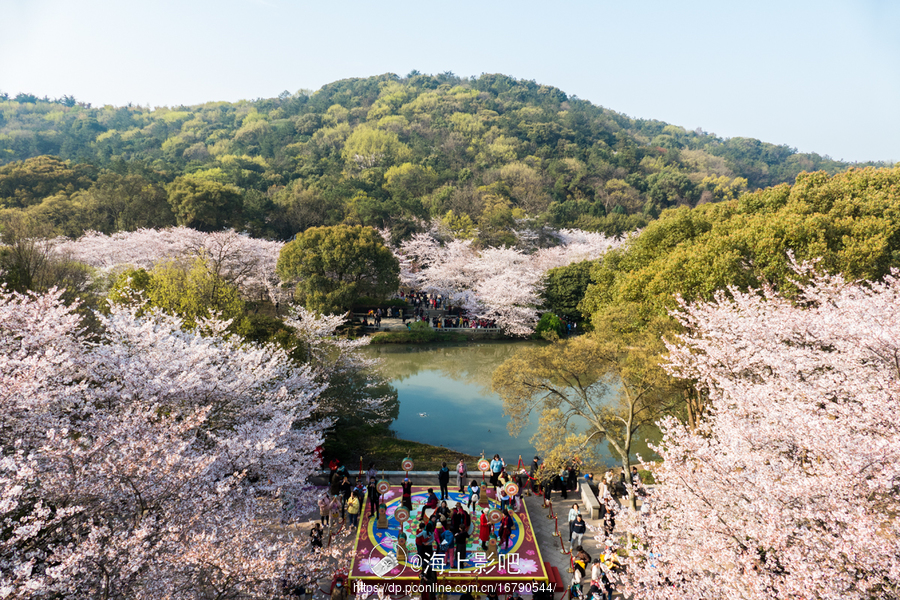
(573, 516)
(461, 475)
(578, 530)
(444, 481)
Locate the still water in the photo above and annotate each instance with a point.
(445, 398)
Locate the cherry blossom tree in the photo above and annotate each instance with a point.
(142, 462)
(502, 284)
(790, 485)
(354, 388)
(249, 263)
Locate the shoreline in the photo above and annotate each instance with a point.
(387, 452)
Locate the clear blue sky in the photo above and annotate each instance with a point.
(819, 76)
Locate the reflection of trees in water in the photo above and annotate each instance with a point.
(470, 362)
(475, 363)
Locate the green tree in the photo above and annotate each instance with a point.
(333, 266)
(125, 203)
(28, 182)
(496, 223)
(367, 147)
(550, 327)
(564, 288)
(28, 262)
(590, 389)
(190, 291)
(204, 205)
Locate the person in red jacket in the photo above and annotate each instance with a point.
(506, 527)
(484, 533)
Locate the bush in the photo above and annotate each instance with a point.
(550, 324)
(419, 333)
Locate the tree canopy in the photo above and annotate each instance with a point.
(848, 223)
(384, 151)
(787, 488)
(334, 266)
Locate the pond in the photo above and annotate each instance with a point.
(445, 398)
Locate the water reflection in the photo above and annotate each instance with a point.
(445, 398)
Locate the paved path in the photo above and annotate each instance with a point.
(543, 527)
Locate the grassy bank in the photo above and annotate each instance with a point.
(422, 333)
(416, 337)
(387, 452)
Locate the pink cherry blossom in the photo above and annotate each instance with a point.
(788, 488)
(501, 284)
(248, 263)
(142, 460)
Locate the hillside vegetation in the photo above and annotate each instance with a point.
(848, 224)
(481, 153)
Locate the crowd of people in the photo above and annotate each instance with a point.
(423, 300)
(445, 531)
(422, 306)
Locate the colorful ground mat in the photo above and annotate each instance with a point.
(377, 560)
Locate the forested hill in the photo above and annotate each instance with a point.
(387, 151)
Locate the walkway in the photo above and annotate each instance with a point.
(544, 527)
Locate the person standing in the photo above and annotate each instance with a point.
(521, 482)
(533, 474)
(407, 493)
(461, 537)
(339, 592)
(473, 495)
(372, 472)
(444, 514)
(456, 518)
(504, 498)
(444, 480)
(373, 496)
(573, 516)
(497, 465)
(346, 491)
(420, 540)
(562, 482)
(484, 531)
(315, 536)
(506, 527)
(323, 509)
(466, 521)
(461, 475)
(578, 530)
(336, 508)
(353, 508)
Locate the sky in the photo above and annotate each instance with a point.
(817, 76)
